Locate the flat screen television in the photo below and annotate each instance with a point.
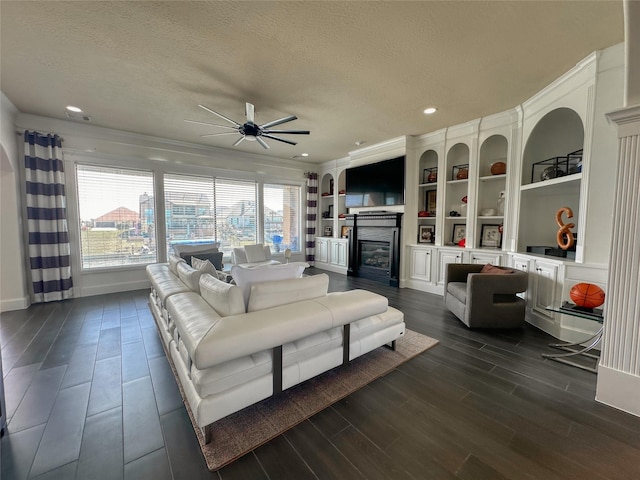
(376, 184)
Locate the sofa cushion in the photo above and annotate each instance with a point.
(193, 318)
(214, 257)
(189, 276)
(196, 248)
(281, 292)
(458, 290)
(488, 268)
(224, 298)
(239, 256)
(174, 260)
(256, 253)
(245, 277)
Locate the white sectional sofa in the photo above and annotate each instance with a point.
(229, 355)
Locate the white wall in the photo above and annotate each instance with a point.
(13, 291)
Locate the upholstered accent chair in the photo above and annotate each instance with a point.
(485, 299)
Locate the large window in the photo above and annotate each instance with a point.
(117, 216)
(189, 209)
(204, 209)
(282, 216)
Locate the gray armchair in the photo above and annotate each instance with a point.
(485, 300)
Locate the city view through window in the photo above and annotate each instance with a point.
(118, 217)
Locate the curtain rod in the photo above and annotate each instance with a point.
(20, 133)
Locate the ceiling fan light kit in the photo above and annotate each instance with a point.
(250, 130)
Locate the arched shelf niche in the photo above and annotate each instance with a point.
(427, 195)
(551, 176)
(492, 185)
(557, 134)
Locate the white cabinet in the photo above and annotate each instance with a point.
(444, 258)
(322, 250)
(494, 258)
(522, 264)
(421, 264)
(544, 287)
(332, 254)
(338, 252)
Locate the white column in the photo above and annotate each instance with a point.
(619, 369)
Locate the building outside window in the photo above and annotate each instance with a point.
(117, 218)
(282, 216)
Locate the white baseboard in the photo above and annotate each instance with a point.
(113, 288)
(331, 268)
(422, 286)
(619, 390)
(14, 304)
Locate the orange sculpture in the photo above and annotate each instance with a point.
(564, 237)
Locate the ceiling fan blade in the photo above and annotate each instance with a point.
(217, 134)
(250, 112)
(238, 141)
(279, 122)
(218, 114)
(211, 124)
(279, 139)
(297, 132)
(262, 142)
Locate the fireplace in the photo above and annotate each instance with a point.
(374, 246)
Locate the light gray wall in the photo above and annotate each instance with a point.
(13, 292)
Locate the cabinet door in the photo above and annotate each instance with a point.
(421, 264)
(445, 257)
(521, 264)
(494, 258)
(322, 250)
(338, 254)
(544, 287)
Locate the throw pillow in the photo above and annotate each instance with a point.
(245, 277)
(488, 268)
(255, 253)
(214, 257)
(205, 266)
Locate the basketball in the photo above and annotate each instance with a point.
(587, 295)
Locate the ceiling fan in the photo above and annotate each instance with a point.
(250, 130)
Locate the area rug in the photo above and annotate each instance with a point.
(243, 431)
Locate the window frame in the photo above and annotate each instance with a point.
(84, 270)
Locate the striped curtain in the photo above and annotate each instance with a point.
(49, 250)
(312, 212)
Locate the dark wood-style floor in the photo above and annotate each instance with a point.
(90, 395)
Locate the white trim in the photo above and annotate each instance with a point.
(112, 288)
(619, 390)
(14, 304)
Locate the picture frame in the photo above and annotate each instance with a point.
(328, 231)
(426, 234)
(330, 211)
(344, 231)
(430, 204)
(491, 236)
(459, 232)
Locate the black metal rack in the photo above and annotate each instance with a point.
(557, 167)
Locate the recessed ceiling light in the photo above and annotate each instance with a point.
(304, 154)
(430, 110)
(71, 108)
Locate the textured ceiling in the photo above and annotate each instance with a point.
(349, 70)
